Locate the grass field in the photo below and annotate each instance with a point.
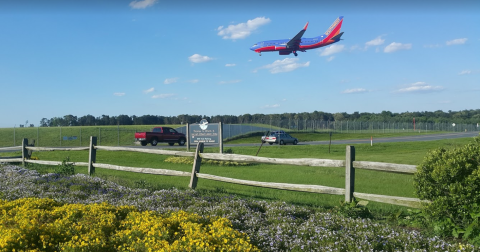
(366, 181)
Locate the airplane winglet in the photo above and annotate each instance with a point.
(337, 37)
(305, 28)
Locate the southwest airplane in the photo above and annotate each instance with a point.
(297, 43)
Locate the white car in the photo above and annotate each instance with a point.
(281, 139)
(272, 132)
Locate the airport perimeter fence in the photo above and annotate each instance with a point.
(124, 135)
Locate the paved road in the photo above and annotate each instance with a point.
(430, 137)
(420, 137)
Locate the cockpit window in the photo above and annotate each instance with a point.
(254, 45)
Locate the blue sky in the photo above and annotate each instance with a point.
(192, 57)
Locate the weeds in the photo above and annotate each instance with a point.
(354, 209)
(66, 168)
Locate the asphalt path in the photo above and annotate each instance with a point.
(420, 137)
(429, 137)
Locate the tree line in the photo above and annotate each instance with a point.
(439, 116)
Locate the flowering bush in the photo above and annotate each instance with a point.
(271, 226)
(46, 225)
(189, 160)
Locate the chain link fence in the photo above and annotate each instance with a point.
(124, 135)
(369, 127)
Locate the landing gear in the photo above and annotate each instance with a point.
(295, 53)
(260, 54)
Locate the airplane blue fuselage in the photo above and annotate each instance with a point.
(297, 43)
(281, 44)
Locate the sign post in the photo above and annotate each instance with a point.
(330, 142)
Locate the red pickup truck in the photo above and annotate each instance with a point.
(160, 135)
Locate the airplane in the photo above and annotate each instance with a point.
(297, 43)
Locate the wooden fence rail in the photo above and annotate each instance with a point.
(349, 163)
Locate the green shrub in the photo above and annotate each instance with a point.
(66, 168)
(450, 179)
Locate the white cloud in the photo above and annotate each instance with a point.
(242, 30)
(459, 41)
(142, 4)
(332, 50)
(230, 65)
(149, 90)
(162, 96)
(330, 58)
(229, 82)
(119, 94)
(271, 106)
(170, 80)
(419, 87)
(465, 72)
(375, 42)
(354, 90)
(193, 81)
(393, 47)
(197, 58)
(419, 83)
(285, 65)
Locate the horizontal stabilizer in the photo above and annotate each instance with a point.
(337, 37)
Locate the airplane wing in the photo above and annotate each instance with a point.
(295, 41)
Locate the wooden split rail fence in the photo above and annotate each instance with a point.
(349, 163)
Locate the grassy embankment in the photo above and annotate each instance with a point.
(53, 136)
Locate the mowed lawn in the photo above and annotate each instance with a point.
(366, 181)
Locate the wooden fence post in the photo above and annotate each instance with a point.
(24, 150)
(349, 173)
(29, 152)
(92, 155)
(196, 166)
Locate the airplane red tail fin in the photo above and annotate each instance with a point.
(334, 29)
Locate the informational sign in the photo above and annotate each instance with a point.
(204, 132)
(66, 138)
